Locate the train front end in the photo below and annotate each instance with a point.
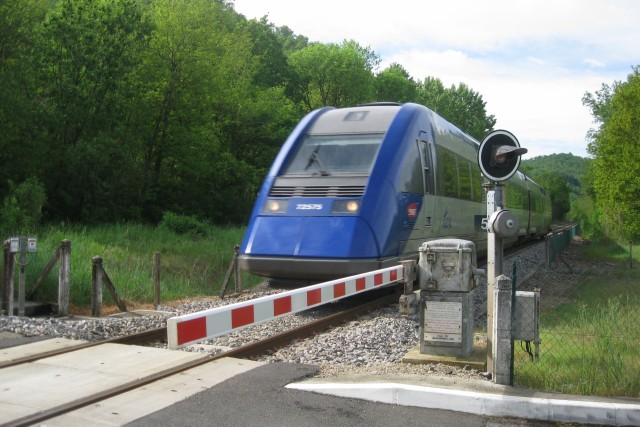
(309, 222)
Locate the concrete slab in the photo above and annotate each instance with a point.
(125, 360)
(138, 403)
(476, 360)
(56, 380)
(24, 350)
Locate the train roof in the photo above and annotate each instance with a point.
(361, 119)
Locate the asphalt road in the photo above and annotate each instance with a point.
(259, 398)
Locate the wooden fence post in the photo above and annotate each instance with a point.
(237, 270)
(156, 280)
(96, 287)
(44, 273)
(7, 280)
(232, 267)
(64, 278)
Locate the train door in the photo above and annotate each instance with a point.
(426, 220)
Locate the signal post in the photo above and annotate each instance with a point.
(499, 159)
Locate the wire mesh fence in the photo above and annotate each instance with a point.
(588, 340)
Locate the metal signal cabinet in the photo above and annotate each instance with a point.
(447, 270)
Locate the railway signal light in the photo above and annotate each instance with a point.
(499, 155)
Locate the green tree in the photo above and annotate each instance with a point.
(273, 68)
(21, 210)
(395, 84)
(210, 123)
(615, 147)
(460, 105)
(21, 132)
(87, 52)
(290, 41)
(336, 75)
(600, 105)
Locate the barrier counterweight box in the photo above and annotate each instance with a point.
(447, 271)
(446, 320)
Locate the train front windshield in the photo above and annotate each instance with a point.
(327, 155)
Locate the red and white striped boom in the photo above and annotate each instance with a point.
(203, 325)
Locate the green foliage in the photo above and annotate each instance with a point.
(460, 105)
(183, 224)
(133, 109)
(584, 211)
(616, 164)
(572, 168)
(22, 208)
(273, 69)
(394, 84)
(332, 74)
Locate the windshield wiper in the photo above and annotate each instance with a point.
(315, 158)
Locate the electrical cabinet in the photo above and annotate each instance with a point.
(526, 316)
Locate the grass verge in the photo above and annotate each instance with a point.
(590, 343)
(192, 265)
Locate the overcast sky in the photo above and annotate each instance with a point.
(532, 61)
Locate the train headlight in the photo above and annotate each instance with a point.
(346, 206)
(274, 206)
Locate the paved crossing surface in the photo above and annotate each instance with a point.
(242, 392)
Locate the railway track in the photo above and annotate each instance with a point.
(152, 337)
(244, 352)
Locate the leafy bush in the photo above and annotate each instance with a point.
(22, 208)
(183, 224)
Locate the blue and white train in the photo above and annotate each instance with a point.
(359, 189)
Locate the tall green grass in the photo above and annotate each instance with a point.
(590, 343)
(192, 264)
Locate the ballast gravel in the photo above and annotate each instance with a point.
(373, 344)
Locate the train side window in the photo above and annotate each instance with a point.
(427, 164)
(411, 180)
(476, 183)
(465, 179)
(448, 184)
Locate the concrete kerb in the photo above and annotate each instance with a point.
(540, 406)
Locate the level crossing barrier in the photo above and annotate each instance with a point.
(195, 327)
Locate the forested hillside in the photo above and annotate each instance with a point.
(126, 110)
(573, 168)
